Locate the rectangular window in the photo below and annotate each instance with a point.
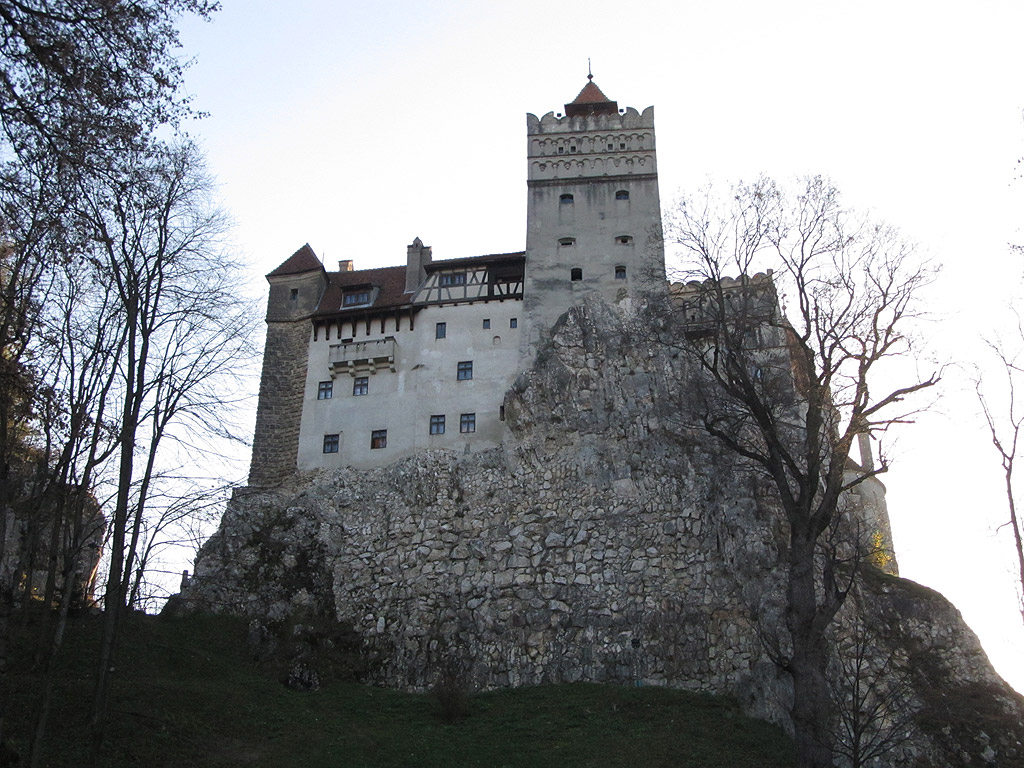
(487, 323)
(331, 443)
(465, 370)
(294, 294)
(440, 330)
(513, 323)
(437, 425)
(354, 299)
(467, 422)
(379, 439)
(325, 390)
(457, 278)
(361, 385)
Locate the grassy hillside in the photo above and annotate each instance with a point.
(187, 694)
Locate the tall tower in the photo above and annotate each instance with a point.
(593, 211)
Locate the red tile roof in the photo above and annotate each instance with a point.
(391, 282)
(591, 101)
(303, 260)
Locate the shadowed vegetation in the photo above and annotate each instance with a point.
(187, 693)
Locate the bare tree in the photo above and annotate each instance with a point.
(790, 391)
(1004, 416)
(872, 694)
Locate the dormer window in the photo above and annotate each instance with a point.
(622, 194)
(355, 298)
(565, 199)
(453, 278)
(567, 242)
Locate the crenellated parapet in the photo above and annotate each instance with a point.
(591, 146)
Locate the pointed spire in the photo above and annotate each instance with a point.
(591, 101)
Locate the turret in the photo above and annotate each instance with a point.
(296, 288)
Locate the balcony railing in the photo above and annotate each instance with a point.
(357, 357)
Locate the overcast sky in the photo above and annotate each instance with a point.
(358, 126)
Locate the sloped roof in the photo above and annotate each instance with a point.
(591, 101)
(469, 261)
(303, 260)
(391, 282)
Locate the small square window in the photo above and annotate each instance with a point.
(620, 273)
(331, 443)
(513, 323)
(379, 439)
(610, 146)
(294, 294)
(622, 145)
(437, 425)
(361, 385)
(325, 390)
(465, 370)
(487, 323)
(561, 150)
(467, 422)
(572, 148)
(440, 330)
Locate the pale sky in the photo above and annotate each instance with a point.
(358, 126)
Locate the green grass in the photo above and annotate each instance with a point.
(187, 694)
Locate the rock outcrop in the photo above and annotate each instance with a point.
(608, 540)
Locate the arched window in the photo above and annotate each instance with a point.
(622, 194)
(620, 273)
(565, 242)
(576, 274)
(564, 199)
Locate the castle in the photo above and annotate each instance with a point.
(502, 477)
(364, 367)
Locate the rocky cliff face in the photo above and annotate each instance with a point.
(608, 540)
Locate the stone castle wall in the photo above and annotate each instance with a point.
(607, 540)
(275, 444)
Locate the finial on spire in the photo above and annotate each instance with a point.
(590, 74)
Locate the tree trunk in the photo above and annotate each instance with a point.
(811, 711)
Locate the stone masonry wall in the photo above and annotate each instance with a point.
(606, 541)
(275, 444)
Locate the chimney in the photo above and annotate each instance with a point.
(345, 265)
(417, 257)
